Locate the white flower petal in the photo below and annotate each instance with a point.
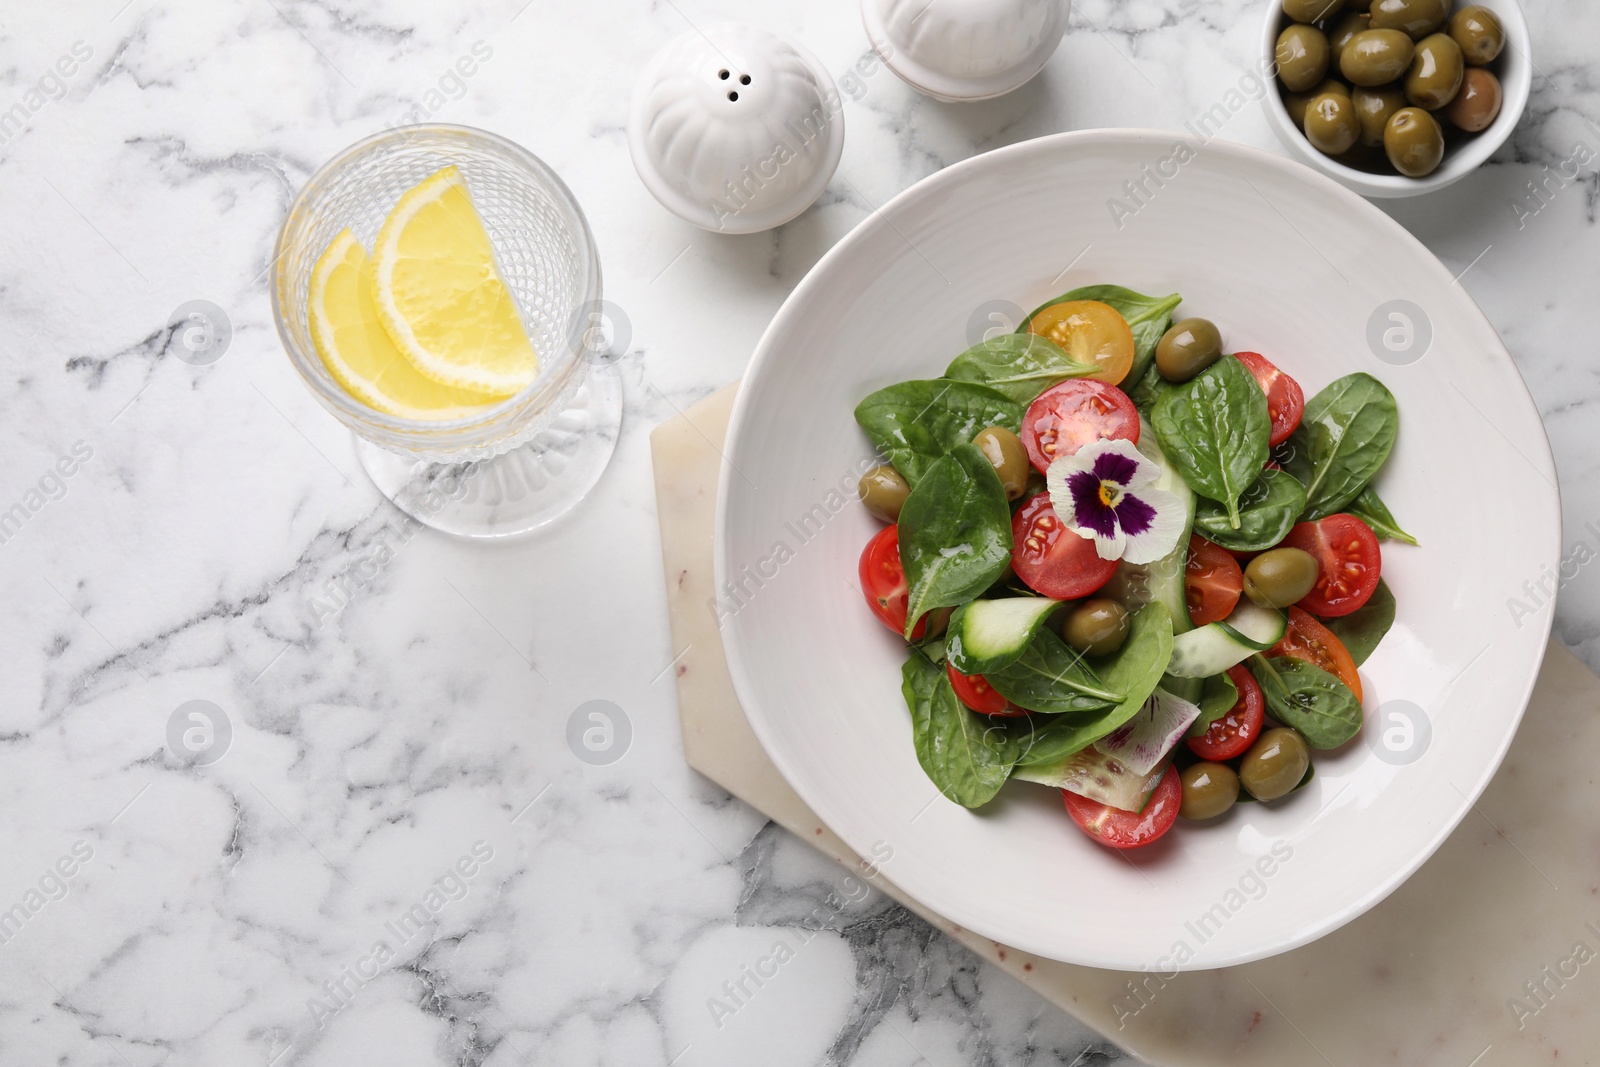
(1055, 481)
(1165, 529)
(1114, 547)
(1146, 471)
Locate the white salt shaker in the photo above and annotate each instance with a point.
(735, 129)
(965, 49)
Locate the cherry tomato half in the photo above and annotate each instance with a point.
(975, 692)
(1052, 559)
(1212, 581)
(1075, 413)
(1347, 552)
(883, 582)
(1286, 401)
(1313, 642)
(1129, 829)
(1091, 332)
(1234, 733)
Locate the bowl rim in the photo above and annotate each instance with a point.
(1464, 161)
(744, 413)
(471, 431)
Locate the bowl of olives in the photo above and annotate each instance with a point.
(1395, 98)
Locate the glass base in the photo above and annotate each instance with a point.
(518, 491)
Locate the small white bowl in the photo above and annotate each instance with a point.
(1514, 69)
(735, 129)
(964, 50)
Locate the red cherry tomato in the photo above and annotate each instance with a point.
(1234, 733)
(1212, 581)
(1350, 560)
(1286, 401)
(975, 692)
(1313, 642)
(1052, 559)
(1077, 412)
(883, 582)
(1129, 829)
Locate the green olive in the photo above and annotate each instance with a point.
(1361, 6)
(1373, 108)
(1479, 33)
(1346, 28)
(1416, 18)
(1187, 348)
(1209, 789)
(1275, 764)
(883, 490)
(1477, 105)
(1002, 449)
(1096, 627)
(939, 620)
(1296, 103)
(1302, 56)
(1280, 576)
(1331, 124)
(1436, 72)
(1414, 142)
(1375, 57)
(1037, 482)
(1309, 11)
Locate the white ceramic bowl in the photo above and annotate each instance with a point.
(819, 676)
(1461, 157)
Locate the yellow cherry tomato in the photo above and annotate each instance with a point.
(1091, 332)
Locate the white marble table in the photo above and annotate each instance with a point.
(398, 775)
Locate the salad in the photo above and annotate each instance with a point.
(1128, 565)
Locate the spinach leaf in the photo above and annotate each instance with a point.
(1308, 698)
(1345, 435)
(1375, 513)
(1267, 511)
(1020, 365)
(1135, 672)
(1147, 316)
(955, 532)
(915, 423)
(1214, 430)
(1362, 629)
(964, 756)
(1053, 679)
(1216, 700)
(1148, 389)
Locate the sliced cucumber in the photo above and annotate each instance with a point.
(1093, 774)
(1163, 579)
(1255, 625)
(990, 635)
(1213, 649)
(1166, 574)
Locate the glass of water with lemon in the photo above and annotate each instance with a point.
(438, 289)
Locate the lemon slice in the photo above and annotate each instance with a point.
(440, 295)
(357, 350)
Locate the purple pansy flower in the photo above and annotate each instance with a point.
(1106, 490)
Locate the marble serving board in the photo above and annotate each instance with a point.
(1482, 958)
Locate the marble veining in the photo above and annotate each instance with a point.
(396, 704)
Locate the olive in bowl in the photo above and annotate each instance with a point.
(1414, 142)
(1466, 64)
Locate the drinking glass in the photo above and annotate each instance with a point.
(529, 459)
